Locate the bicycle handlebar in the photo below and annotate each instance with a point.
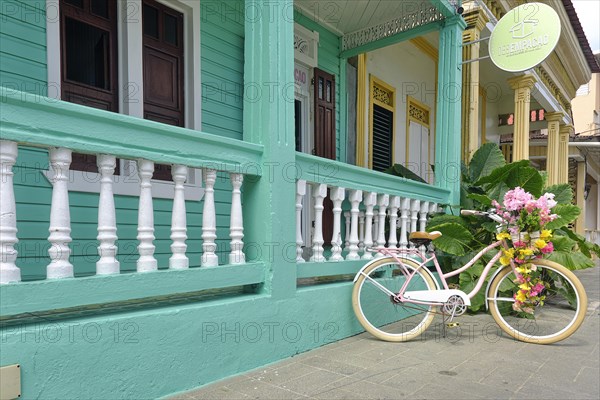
(491, 215)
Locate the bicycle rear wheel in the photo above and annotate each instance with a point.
(377, 310)
(561, 314)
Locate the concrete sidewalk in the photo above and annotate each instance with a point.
(474, 361)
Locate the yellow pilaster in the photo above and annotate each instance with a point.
(563, 153)
(580, 222)
(476, 21)
(361, 110)
(522, 86)
(553, 142)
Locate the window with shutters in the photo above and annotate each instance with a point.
(419, 143)
(381, 117)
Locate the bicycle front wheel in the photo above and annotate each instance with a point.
(561, 314)
(376, 307)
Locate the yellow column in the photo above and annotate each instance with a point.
(476, 21)
(361, 110)
(553, 141)
(522, 86)
(563, 153)
(580, 222)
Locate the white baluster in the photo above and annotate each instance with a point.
(394, 205)
(375, 227)
(382, 201)
(236, 222)
(9, 272)
(209, 221)
(178, 259)
(348, 222)
(355, 199)
(433, 208)
(146, 262)
(107, 221)
(369, 202)
(337, 196)
(414, 216)
(319, 194)
(60, 218)
(423, 220)
(361, 232)
(300, 192)
(404, 212)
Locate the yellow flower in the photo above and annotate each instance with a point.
(546, 234)
(503, 235)
(523, 270)
(505, 260)
(524, 286)
(521, 296)
(509, 253)
(540, 244)
(526, 252)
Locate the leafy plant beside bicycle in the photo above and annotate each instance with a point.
(485, 183)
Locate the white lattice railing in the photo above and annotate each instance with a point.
(60, 238)
(364, 224)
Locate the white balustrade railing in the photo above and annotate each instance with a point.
(60, 239)
(368, 216)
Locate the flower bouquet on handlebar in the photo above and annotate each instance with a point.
(525, 218)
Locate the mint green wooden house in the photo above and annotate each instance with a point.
(188, 187)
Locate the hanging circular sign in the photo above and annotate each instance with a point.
(524, 37)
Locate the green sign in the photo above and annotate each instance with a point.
(524, 37)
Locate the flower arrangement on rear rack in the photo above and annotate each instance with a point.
(526, 218)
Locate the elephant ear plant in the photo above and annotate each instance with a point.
(485, 181)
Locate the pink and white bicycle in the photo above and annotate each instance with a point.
(396, 296)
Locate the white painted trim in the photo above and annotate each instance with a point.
(131, 90)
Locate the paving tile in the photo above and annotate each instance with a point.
(332, 365)
(286, 372)
(312, 383)
(260, 390)
(221, 393)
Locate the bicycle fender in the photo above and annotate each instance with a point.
(367, 265)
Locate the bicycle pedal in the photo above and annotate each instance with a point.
(452, 324)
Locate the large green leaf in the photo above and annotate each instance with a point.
(567, 213)
(481, 198)
(571, 259)
(455, 239)
(500, 174)
(563, 194)
(402, 171)
(527, 178)
(487, 158)
(442, 219)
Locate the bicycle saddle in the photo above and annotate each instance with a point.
(423, 238)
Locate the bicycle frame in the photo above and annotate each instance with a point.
(398, 254)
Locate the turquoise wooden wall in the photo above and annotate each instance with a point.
(23, 45)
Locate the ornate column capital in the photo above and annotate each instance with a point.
(566, 130)
(476, 21)
(554, 116)
(522, 81)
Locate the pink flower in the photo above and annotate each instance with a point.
(537, 289)
(548, 249)
(520, 244)
(531, 205)
(515, 200)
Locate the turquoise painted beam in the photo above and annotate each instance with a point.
(269, 203)
(445, 7)
(448, 137)
(42, 121)
(60, 294)
(391, 40)
(334, 173)
(314, 269)
(343, 129)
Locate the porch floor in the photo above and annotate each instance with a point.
(474, 361)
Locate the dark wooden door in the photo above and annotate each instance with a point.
(88, 51)
(163, 67)
(163, 63)
(324, 135)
